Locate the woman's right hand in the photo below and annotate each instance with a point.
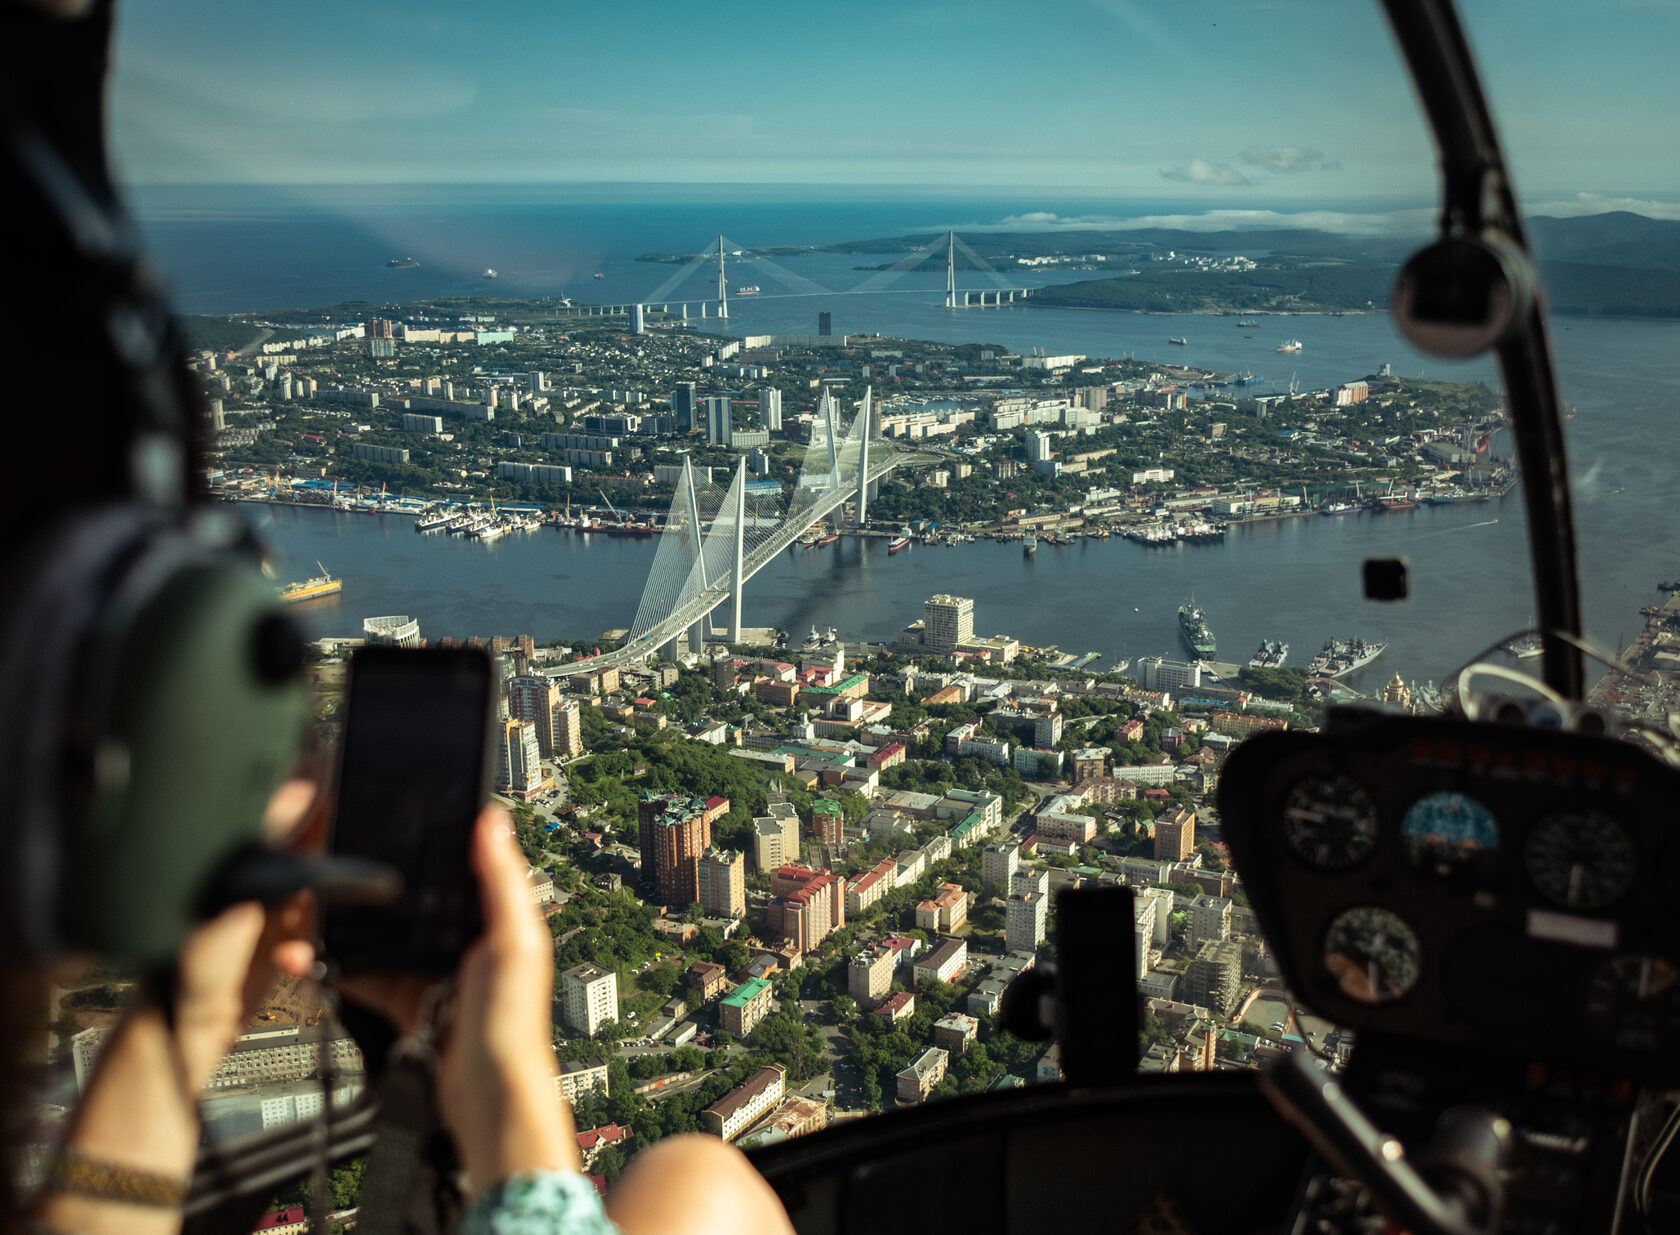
(496, 1068)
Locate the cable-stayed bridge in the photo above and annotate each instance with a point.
(1001, 290)
(715, 539)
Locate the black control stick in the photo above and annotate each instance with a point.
(1454, 1190)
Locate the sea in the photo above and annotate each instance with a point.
(1297, 580)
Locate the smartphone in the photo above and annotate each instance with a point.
(414, 770)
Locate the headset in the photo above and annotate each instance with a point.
(151, 687)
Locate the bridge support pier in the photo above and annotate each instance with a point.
(740, 552)
(697, 637)
(867, 412)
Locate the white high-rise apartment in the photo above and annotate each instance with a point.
(589, 997)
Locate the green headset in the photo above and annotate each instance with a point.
(151, 691)
(153, 703)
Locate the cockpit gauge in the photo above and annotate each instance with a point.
(1372, 954)
(1635, 1000)
(1329, 823)
(1580, 861)
(1446, 830)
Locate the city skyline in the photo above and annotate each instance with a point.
(1254, 107)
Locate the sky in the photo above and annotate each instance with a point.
(1258, 107)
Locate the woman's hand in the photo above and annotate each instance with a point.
(496, 1069)
(496, 1088)
(140, 1110)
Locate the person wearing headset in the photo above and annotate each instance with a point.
(144, 678)
(129, 1150)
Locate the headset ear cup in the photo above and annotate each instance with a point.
(203, 722)
(152, 703)
(55, 588)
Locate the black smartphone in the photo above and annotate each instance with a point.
(414, 770)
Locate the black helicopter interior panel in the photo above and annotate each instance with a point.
(1506, 888)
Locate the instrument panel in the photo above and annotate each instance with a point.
(1494, 886)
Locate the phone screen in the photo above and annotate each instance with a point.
(412, 777)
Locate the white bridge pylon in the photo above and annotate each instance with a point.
(715, 539)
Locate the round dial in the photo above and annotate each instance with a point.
(1447, 829)
(1329, 822)
(1635, 999)
(1372, 954)
(1581, 861)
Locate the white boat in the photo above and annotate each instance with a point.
(1290, 345)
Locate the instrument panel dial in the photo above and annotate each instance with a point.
(1448, 830)
(1580, 861)
(1635, 1000)
(1373, 955)
(1329, 823)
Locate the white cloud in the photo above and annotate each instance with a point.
(1200, 171)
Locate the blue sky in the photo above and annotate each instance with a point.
(1255, 106)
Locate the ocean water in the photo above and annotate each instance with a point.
(1296, 580)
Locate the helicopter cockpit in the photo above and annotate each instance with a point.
(1482, 901)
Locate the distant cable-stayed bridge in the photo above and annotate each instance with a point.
(1001, 292)
(712, 543)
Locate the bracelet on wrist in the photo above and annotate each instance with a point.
(75, 1173)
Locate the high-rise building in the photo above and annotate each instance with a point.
(998, 864)
(806, 904)
(828, 822)
(1175, 835)
(869, 974)
(589, 997)
(1212, 978)
(722, 880)
(776, 837)
(770, 409)
(566, 723)
(683, 407)
(1210, 918)
(519, 761)
(673, 831)
(1025, 919)
(638, 319)
(948, 621)
(720, 429)
(533, 697)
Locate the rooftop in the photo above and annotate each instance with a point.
(746, 992)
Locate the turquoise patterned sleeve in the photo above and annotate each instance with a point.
(540, 1203)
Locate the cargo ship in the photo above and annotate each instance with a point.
(1339, 658)
(898, 544)
(311, 589)
(1180, 341)
(751, 290)
(824, 541)
(401, 263)
(1290, 345)
(1193, 623)
(1029, 544)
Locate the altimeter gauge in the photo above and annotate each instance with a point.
(1329, 823)
(1580, 861)
(1372, 954)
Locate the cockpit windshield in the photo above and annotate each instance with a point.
(894, 474)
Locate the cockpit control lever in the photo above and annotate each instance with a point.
(1455, 1188)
